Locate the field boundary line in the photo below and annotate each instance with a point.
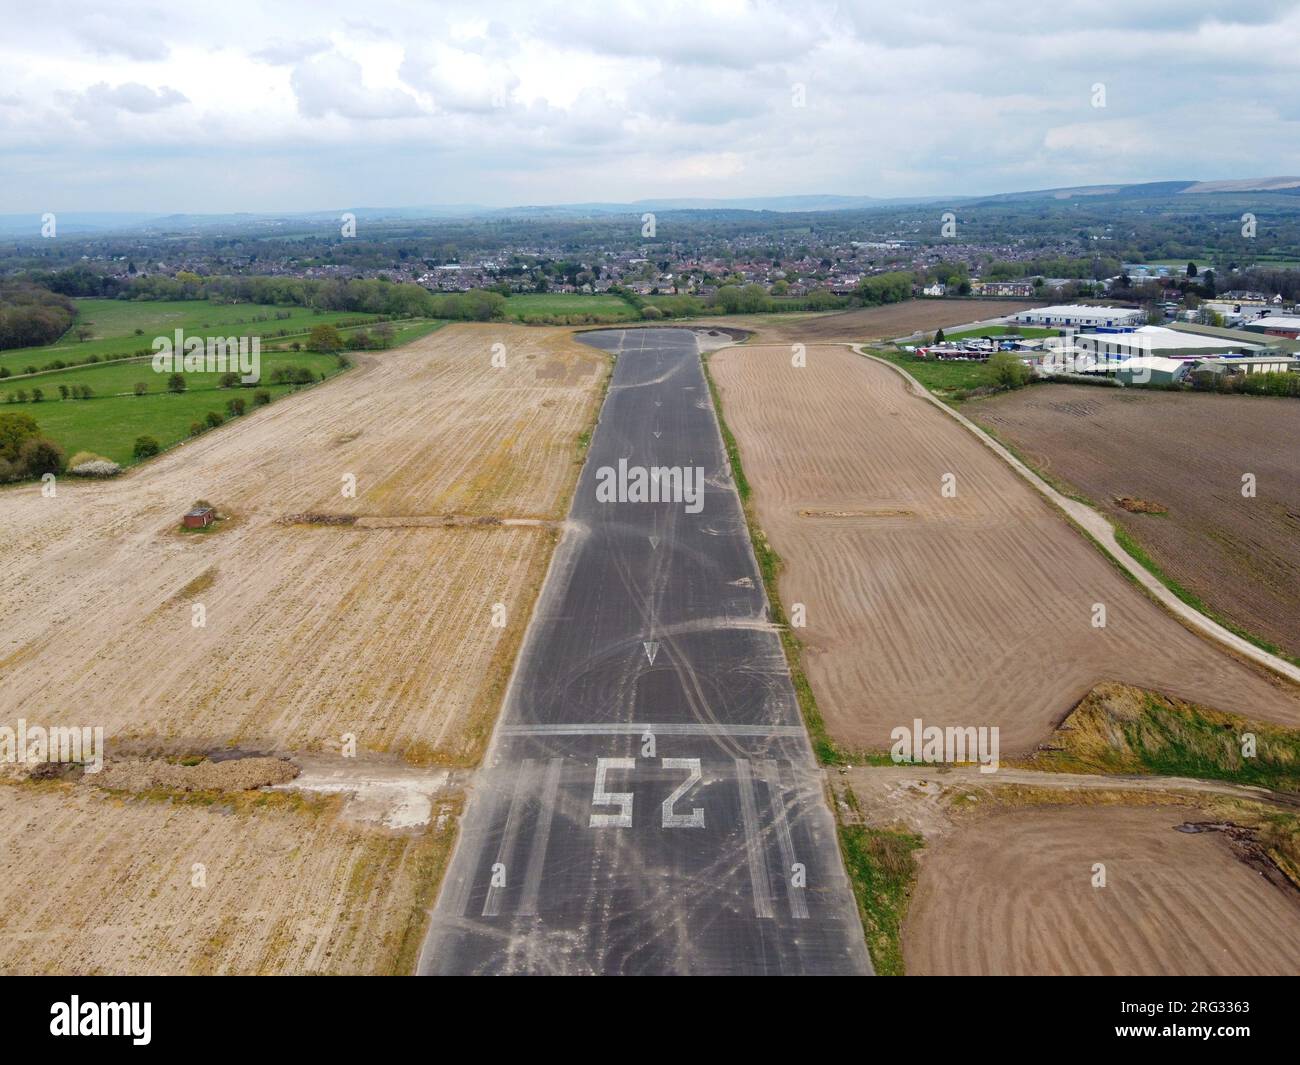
(1009, 776)
(1095, 525)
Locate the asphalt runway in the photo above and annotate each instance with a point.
(650, 803)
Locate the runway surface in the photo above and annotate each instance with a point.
(650, 803)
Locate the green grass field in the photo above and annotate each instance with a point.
(109, 379)
(113, 324)
(940, 377)
(109, 422)
(1029, 332)
(536, 306)
(404, 331)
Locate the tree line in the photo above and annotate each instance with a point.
(31, 315)
(367, 296)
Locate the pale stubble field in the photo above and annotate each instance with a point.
(312, 632)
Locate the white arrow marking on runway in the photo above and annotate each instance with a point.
(658, 434)
(651, 649)
(654, 543)
(658, 403)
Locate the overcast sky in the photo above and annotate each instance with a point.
(213, 107)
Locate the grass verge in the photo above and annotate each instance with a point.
(1121, 729)
(882, 868)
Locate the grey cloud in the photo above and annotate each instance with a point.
(130, 96)
(283, 53)
(129, 37)
(332, 84)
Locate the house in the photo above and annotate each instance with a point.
(199, 518)
(1002, 288)
(935, 289)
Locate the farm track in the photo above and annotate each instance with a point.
(870, 323)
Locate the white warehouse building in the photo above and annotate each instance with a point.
(1080, 316)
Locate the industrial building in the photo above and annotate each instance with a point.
(1151, 371)
(1156, 340)
(1249, 364)
(1080, 316)
(1276, 325)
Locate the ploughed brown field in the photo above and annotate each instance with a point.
(964, 611)
(1185, 452)
(1011, 893)
(874, 323)
(381, 629)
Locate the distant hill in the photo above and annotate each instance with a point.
(1273, 184)
(1155, 189)
(85, 223)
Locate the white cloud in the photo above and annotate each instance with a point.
(334, 84)
(507, 101)
(129, 96)
(283, 53)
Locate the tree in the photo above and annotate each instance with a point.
(229, 380)
(1005, 370)
(39, 455)
(325, 338)
(727, 299)
(213, 419)
(145, 447)
(140, 388)
(383, 334)
(15, 429)
(1191, 269)
(261, 397)
(938, 337)
(235, 407)
(754, 299)
(176, 383)
(37, 395)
